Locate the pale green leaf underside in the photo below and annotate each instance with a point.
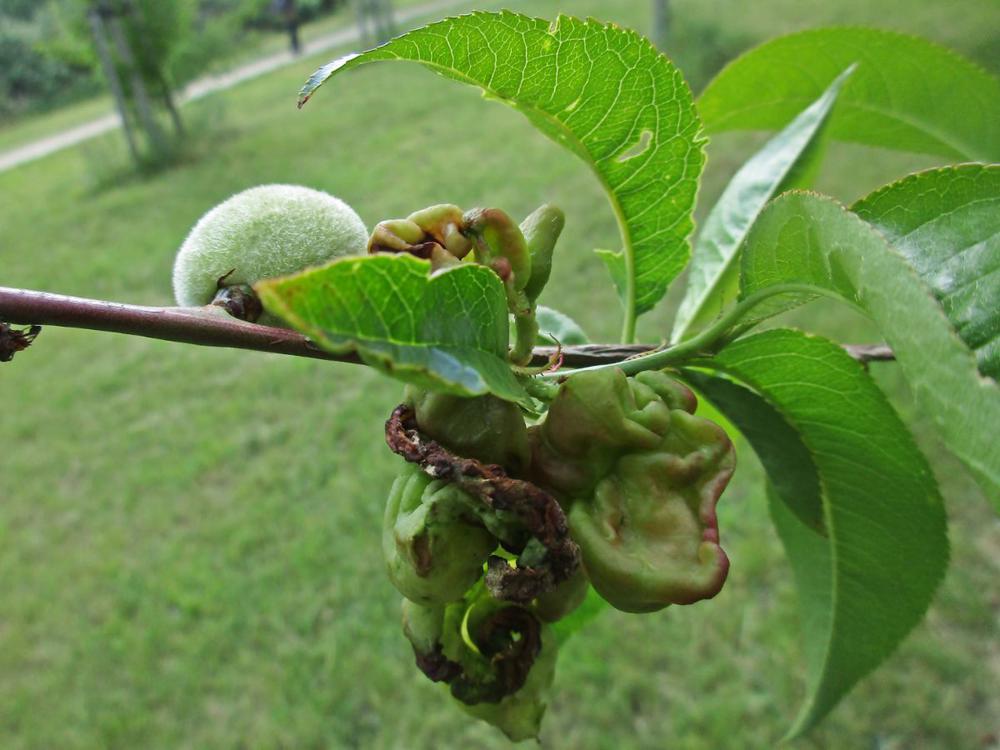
(812, 241)
(614, 261)
(603, 92)
(447, 332)
(946, 222)
(557, 328)
(713, 281)
(869, 581)
(907, 93)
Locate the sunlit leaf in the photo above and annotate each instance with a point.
(603, 92)
(946, 222)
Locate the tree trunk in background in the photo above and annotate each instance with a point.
(289, 13)
(375, 21)
(361, 9)
(661, 23)
(171, 107)
(98, 32)
(387, 26)
(143, 105)
(158, 77)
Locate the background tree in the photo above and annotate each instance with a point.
(288, 9)
(375, 21)
(134, 44)
(31, 75)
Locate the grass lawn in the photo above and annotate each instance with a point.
(189, 538)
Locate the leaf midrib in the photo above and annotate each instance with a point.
(958, 148)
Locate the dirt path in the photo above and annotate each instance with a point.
(209, 84)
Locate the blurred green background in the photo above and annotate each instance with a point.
(189, 538)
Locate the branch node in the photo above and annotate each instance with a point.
(13, 340)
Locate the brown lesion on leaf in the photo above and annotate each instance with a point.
(520, 584)
(437, 666)
(535, 510)
(509, 638)
(13, 340)
(423, 559)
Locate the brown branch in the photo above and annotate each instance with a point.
(211, 326)
(205, 326)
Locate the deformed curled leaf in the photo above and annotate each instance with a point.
(649, 535)
(525, 518)
(497, 658)
(603, 92)
(433, 548)
(639, 475)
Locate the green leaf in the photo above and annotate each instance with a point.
(447, 331)
(592, 605)
(787, 461)
(907, 93)
(866, 583)
(556, 328)
(946, 222)
(814, 245)
(603, 92)
(713, 281)
(617, 270)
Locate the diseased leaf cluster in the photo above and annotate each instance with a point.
(854, 501)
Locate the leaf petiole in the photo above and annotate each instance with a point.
(705, 342)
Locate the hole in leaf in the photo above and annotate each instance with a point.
(638, 149)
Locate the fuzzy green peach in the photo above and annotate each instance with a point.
(261, 233)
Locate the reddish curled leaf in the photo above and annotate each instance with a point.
(511, 639)
(639, 475)
(649, 534)
(507, 641)
(436, 666)
(534, 510)
(596, 418)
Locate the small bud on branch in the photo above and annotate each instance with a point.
(12, 341)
